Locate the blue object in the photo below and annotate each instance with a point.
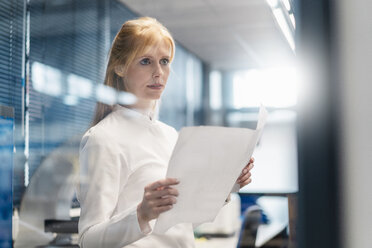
(6, 172)
(248, 201)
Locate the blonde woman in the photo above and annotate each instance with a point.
(124, 155)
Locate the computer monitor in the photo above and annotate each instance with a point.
(275, 170)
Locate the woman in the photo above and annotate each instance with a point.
(124, 156)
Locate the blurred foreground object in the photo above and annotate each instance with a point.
(49, 195)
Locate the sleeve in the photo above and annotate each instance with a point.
(102, 171)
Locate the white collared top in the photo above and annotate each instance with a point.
(119, 156)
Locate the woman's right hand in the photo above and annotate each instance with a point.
(157, 198)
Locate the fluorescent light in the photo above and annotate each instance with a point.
(279, 16)
(293, 20)
(272, 3)
(287, 4)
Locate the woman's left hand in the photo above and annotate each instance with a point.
(245, 176)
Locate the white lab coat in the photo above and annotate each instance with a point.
(118, 157)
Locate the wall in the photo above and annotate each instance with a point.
(355, 39)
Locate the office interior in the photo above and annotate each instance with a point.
(307, 61)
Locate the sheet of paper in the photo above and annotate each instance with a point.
(207, 160)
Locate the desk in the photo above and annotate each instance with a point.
(230, 242)
(273, 207)
(289, 220)
(275, 171)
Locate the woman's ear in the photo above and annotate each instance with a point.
(119, 69)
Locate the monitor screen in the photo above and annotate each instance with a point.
(275, 170)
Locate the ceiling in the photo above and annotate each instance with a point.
(228, 35)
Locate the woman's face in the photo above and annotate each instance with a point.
(148, 74)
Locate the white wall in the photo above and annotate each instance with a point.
(355, 46)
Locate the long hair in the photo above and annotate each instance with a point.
(132, 40)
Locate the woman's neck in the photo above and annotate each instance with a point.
(146, 107)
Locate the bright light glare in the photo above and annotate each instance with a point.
(275, 87)
(126, 98)
(106, 94)
(287, 4)
(293, 20)
(79, 86)
(272, 3)
(70, 100)
(279, 16)
(46, 79)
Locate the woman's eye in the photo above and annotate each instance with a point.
(164, 61)
(145, 61)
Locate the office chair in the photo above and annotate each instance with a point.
(252, 219)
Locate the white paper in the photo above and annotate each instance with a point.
(207, 161)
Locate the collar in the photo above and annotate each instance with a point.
(135, 113)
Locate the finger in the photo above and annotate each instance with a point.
(163, 209)
(158, 202)
(165, 201)
(242, 174)
(248, 167)
(245, 177)
(162, 183)
(245, 170)
(161, 193)
(251, 160)
(245, 183)
(249, 180)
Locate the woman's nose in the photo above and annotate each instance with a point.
(158, 71)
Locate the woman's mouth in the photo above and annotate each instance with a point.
(155, 86)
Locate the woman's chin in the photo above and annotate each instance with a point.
(154, 96)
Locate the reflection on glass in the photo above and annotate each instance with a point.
(68, 45)
(46, 79)
(6, 158)
(79, 86)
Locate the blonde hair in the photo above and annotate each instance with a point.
(132, 40)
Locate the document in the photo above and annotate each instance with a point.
(207, 160)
